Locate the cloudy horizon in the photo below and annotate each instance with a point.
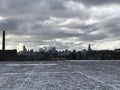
(66, 24)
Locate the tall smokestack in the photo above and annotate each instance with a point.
(3, 43)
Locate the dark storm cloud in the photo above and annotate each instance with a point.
(82, 26)
(29, 6)
(9, 24)
(55, 5)
(98, 2)
(112, 26)
(34, 8)
(51, 34)
(91, 38)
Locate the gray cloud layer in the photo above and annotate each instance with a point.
(98, 2)
(62, 22)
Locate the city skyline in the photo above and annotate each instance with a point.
(66, 24)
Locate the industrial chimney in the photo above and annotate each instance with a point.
(3, 42)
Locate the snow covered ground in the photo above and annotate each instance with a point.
(60, 75)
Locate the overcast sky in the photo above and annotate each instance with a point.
(66, 24)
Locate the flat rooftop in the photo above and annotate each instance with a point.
(60, 75)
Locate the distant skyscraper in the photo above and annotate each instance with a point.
(24, 49)
(89, 48)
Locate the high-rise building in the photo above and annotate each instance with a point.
(89, 48)
(24, 49)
